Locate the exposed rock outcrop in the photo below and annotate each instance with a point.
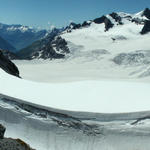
(116, 17)
(11, 144)
(86, 23)
(47, 48)
(55, 49)
(73, 26)
(8, 66)
(105, 20)
(146, 13)
(146, 27)
(60, 45)
(47, 52)
(2, 131)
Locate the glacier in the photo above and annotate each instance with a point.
(53, 129)
(51, 117)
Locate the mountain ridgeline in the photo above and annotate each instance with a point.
(116, 19)
(53, 46)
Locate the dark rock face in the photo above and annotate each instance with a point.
(2, 131)
(60, 45)
(11, 144)
(146, 27)
(47, 53)
(8, 66)
(116, 17)
(105, 20)
(9, 55)
(146, 13)
(73, 26)
(100, 20)
(53, 50)
(34, 50)
(76, 26)
(108, 24)
(85, 24)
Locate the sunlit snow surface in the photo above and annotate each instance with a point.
(46, 128)
(91, 96)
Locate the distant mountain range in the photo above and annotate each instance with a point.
(19, 36)
(56, 44)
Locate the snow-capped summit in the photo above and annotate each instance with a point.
(146, 13)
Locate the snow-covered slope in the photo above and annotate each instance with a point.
(56, 129)
(90, 96)
(41, 113)
(120, 38)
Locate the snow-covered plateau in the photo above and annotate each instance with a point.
(97, 97)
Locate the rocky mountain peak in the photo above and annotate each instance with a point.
(53, 49)
(116, 17)
(11, 144)
(146, 13)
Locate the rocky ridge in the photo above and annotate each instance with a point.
(11, 144)
(50, 47)
(8, 66)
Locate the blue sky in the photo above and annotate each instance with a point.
(46, 13)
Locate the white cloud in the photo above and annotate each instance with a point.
(52, 27)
